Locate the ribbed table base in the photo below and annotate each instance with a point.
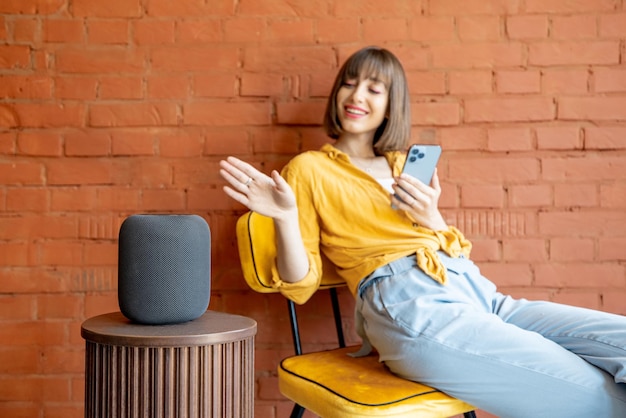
(207, 381)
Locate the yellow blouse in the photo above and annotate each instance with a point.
(347, 214)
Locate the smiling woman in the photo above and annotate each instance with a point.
(420, 301)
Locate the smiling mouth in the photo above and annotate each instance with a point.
(355, 112)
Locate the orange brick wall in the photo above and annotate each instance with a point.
(109, 108)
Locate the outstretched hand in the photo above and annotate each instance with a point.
(267, 195)
(419, 201)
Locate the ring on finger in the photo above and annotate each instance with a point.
(247, 183)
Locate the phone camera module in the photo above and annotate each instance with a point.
(420, 155)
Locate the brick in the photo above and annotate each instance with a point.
(27, 199)
(475, 7)
(583, 169)
(592, 108)
(21, 173)
(83, 144)
(163, 200)
(486, 250)
(482, 196)
(17, 308)
(559, 137)
(477, 55)
(422, 82)
(124, 200)
(518, 82)
(108, 32)
(72, 199)
(76, 88)
(509, 110)
(109, 60)
(262, 85)
(289, 31)
(227, 114)
(64, 31)
(559, 6)
(509, 139)
(133, 114)
(583, 299)
(373, 8)
(341, 30)
(558, 223)
(279, 140)
(613, 301)
(574, 27)
(490, 169)
(293, 113)
(611, 249)
(435, 113)
(58, 307)
(572, 249)
(181, 145)
(19, 7)
(432, 28)
(116, 87)
(100, 303)
(153, 32)
(7, 143)
(194, 58)
(583, 275)
(462, 138)
(229, 142)
(168, 87)
(573, 82)
(22, 360)
(288, 59)
(508, 274)
(470, 82)
(193, 8)
(25, 87)
(14, 57)
(576, 195)
(609, 80)
(574, 53)
(40, 143)
(244, 29)
(112, 8)
(532, 195)
(132, 143)
(26, 30)
(214, 86)
(379, 30)
(613, 25)
(613, 195)
(49, 115)
(605, 137)
(525, 249)
(479, 28)
(74, 171)
(198, 31)
(100, 254)
(527, 27)
(411, 57)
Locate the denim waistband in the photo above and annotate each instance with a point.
(391, 269)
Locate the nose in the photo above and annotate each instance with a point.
(358, 93)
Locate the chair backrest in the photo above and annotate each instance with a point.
(257, 251)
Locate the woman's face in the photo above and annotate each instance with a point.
(362, 105)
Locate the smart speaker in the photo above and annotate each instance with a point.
(164, 268)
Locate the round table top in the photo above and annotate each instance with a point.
(211, 328)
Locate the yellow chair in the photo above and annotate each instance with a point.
(330, 383)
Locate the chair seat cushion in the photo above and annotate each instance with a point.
(335, 385)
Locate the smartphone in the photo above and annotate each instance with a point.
(421, 161)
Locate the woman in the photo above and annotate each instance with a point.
(420, 301)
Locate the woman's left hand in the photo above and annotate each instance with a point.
(419, 201)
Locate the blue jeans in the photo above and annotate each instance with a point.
(512, 358)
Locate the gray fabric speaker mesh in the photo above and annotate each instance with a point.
(164, 268)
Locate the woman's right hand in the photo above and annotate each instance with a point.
(267, 195)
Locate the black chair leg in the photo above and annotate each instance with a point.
(470, 414)
(297, 411)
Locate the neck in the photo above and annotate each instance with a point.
(357, 149)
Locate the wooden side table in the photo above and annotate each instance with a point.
(198, 369)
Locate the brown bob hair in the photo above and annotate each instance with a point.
(378, 63)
